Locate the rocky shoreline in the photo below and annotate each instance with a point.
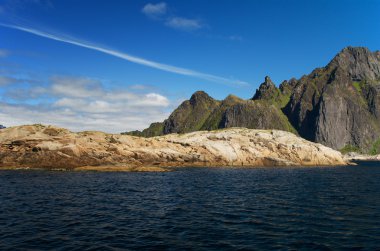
(353, 156)
(49, 147)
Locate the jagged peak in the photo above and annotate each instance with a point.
(355, 49)
(268, 81)
(200, 96)
(349, 53)
(284, 84)
(358, 62)
(266, 89)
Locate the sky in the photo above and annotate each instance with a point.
(120, 65)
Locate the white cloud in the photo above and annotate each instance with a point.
(23, 93)
(11, 115)
(184, 23)
(153, 100)
(81, 103)
(75, 87)
(154, 10)
(130, 58)
(70, 103)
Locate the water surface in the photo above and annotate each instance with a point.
(192, 209)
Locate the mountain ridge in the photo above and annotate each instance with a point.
(337, 105)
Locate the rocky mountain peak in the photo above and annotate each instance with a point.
(337, 105)
(359, 62)
(200, 97)
(286, 87)
(232, 98)
(267, 90)
(268, 81)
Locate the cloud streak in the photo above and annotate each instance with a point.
(128, 57)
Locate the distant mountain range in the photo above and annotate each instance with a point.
(337, 105)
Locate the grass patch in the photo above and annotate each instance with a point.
(357, 86)
(375, 147)
(349, 148)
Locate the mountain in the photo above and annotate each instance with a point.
(202, 112)
(337, 105)
(2, 127)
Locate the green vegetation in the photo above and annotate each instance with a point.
(155, 129)
(315, 87)
(282, 100)
(375, 147)
(357, 86)
(361, 88)
(214, 120)
(350, 148)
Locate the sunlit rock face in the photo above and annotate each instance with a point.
(39, 146)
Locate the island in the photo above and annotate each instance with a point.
(49, 147)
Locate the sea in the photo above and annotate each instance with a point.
(271, 208)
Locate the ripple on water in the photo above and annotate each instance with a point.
(219, 209)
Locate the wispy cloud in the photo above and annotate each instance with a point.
(82, 103)
(8, 80)
(128, 57)
(184, 23)
(160, 13)
(11, 8)
(154, 10)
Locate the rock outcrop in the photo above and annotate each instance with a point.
(38, 146)
(267, 91)
(337, 105)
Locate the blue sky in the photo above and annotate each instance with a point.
(177, 48)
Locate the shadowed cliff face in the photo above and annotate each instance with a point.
(337, 105)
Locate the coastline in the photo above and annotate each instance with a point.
(166, 168)
(49, 147)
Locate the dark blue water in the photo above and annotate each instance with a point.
(192, 209)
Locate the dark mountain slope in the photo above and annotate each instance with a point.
(337, 105)
(202, 112)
